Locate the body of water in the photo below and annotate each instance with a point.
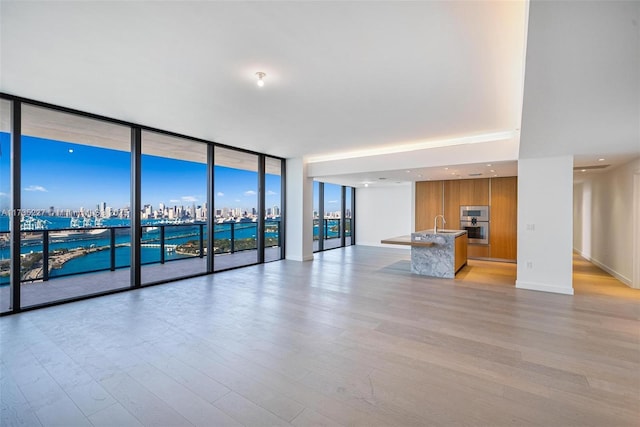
(101, 260)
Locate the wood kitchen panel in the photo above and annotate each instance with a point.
(504, 218)
(478, 251)
(474, 192)
(461, 251)
(452, 204)
(428, 203)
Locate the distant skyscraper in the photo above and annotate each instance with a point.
(102, 207)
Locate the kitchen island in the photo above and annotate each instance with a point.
(435, 254)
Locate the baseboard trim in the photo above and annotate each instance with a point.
(530, 286)
(612, 272)
(582, 254)
(627, 281)
(300, 259)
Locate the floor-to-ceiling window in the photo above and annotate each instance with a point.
(104, 205)
(5, 204)
(273, 226)
(173, 211)
(317, 214)
(236, 208)
(74, 193)
(348, 216)
(333, 224)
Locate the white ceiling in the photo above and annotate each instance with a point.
(342, 77)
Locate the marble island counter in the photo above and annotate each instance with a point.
(439, 254)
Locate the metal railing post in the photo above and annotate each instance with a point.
(201, 240)
(112, 247)
(45, 255)
(162, 244)
(233, 237)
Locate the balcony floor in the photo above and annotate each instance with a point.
(66, 287)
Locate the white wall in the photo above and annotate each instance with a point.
(383, 212)
(299, 212)
(545, 211)
(582, 218)
(603, 210)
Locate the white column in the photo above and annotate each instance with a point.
(545, 224)
(299, 205)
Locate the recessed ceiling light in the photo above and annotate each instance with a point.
(492, 170)
(366, 184)
(489, 164)
(408, 171)
(601, 159)
(583, 170)
(495, 175)
(453, 173)
(446, 169)
(419, 175)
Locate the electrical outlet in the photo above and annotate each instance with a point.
(530, 265)
(531, 227)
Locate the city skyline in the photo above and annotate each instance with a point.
(69, 176)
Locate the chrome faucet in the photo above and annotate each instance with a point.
(435, 223)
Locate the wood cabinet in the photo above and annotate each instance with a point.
(500, 194)
(460, 252)
(504, 218)
(452, 204)
(429, 203)
(478, 251)
(474, 192)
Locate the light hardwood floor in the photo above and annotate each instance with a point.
(351, 338)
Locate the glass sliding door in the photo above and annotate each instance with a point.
(317, 230)
(333, 219)
(236, 208)
(273, 225)
(174, 207)
(348, 218)
(332, 216)
(75, 184)
(5, 205)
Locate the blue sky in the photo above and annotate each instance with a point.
(332, 197)
(70, 176)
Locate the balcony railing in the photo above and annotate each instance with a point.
(62, 252)
(331, 228)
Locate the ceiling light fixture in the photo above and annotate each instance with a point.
(260, 75)
(601, 159)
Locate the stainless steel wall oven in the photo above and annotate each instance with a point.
(475, 219)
